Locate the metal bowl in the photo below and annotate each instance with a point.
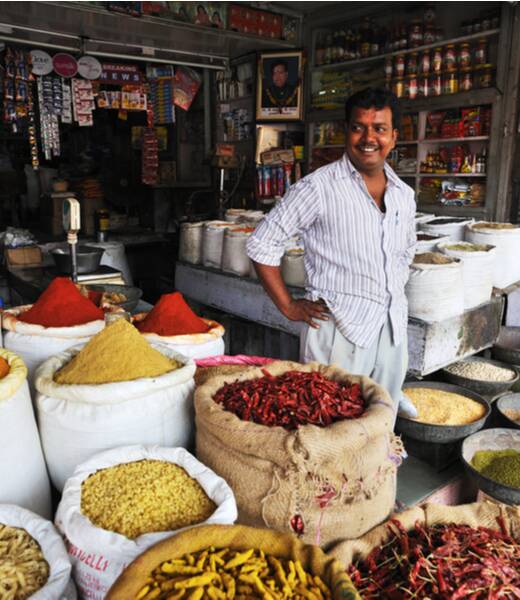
(88, 259)
(491, 439)
(133, 294)
(507, 347)
(511, 401)
(487, 388)
(441, 434)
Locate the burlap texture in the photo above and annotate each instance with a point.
(339, 479)
(202, 374)
(235, 537)
(482, 514)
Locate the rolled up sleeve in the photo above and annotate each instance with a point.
(292, 216)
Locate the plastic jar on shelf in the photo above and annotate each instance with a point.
(436, 63)
(481, 52)
(466, 80)
(450, 58)
(464, 56)
(411, 88)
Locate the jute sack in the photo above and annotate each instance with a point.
(235, 537)
(478, 514)
(323, 483)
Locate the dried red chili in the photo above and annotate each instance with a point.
(442, 562)
(292, 399)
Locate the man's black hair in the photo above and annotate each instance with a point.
(279, 62)
(377, 98)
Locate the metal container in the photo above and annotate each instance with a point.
(88, 259)
(487, 388)
(511, 401)
(491, 439)
(133, 294)
(441, 434)
(507, 346)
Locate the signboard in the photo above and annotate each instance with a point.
(118, 74)
(89, 67)
(65, 64)
(41, 62)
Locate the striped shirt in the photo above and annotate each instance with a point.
(356, 257)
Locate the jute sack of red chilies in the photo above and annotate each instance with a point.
(323, 483)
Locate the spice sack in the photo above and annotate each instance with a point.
(98, 556)
(59, 585)
(23, 475)
(323, 483)
(77, 421)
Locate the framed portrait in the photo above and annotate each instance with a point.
(279, 94)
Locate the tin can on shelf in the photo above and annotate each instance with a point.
(411, 63)
(436, 64)
(450, 82)
(399, 65)
(398, 87)
(466, 80)
(424, 62)
(436, 84)
(481, 52)
(450, 58)
(464, 56)
(411, 89)
(423, 86)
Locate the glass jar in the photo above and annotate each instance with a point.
(415, 36)
(481, 52)
(450, 82)
(450, 58)
(399, 65)
(436, 63)
(423, 86)
(411, 63)
(424, 63)
(484, 76)
(464, 56)
(388, 67)
(398, 87)
(436, 84)
(411, 87)
(465, 80)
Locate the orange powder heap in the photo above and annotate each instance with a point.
(172, 316)
(62, 305)
(4, 368)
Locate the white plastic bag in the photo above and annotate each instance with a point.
(477, 272)
(190, 244)
(77, 421)
(507, 243)
(23, 474)
(421, 218)
(234, 254)
(233, 214)
(110, 552)
(58, 586)
(293, 267)
(114, 256)
(435, 292)
(212, 243)
(452, 226)
(35, 343)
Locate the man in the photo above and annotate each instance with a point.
(279, 93)
(356, 219)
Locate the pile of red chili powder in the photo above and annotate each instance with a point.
(62, 305)
(172, 316)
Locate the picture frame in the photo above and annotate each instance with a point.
(279, 91)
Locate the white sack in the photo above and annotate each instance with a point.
(293, 267)
(23, 474)
(114, 256)
(507, 244)
(212, 243)
(430, 245)
(234, 254)
(77, 421)
(110, 551)
(451, 226)
(58, 586)
(190, 243)
(435, 292)
(477, 273)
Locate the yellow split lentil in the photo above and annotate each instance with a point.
(215, 574)
(144, 496)
(438, 407)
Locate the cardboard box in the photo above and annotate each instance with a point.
(29, 256)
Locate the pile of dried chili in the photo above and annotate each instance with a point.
(441, 562)
(292, 399)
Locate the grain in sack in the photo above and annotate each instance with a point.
(321, 483)
(149, 503)
(454, 227)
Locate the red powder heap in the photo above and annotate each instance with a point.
(62, 305)
(172, 316)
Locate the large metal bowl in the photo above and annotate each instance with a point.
(487, 388)
(133, 294)
(511, 401)
(441, 434)
(491, 439)
(507, 347)
(88, 259)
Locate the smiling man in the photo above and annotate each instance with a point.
(356, 219)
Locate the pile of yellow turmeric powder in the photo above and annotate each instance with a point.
(117, 353)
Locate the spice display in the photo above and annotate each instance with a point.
(4, 368)
(481, 370)
(225, 573)
(491, 225)
(431, 258)
(502, 466)
(468, 247)
(292, 399)
(116, 353)
(61, 305)
(512, 414)
(172, 316)
(442, 561)
(144, 497)
(438, 407)
(23, 569)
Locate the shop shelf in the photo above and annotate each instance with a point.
(447, 175)
(475, 138)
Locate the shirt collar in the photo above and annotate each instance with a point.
(344, 168)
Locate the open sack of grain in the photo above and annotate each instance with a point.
(23, 475)
(233, 562)
(321, 482)
(116, 390)
(438, 551)
(123, 501)
(33, 559)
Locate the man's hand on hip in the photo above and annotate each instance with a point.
(307, 311)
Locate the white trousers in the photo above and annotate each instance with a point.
(384, 362)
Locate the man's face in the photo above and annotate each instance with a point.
(280, 76)
(370, 138)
